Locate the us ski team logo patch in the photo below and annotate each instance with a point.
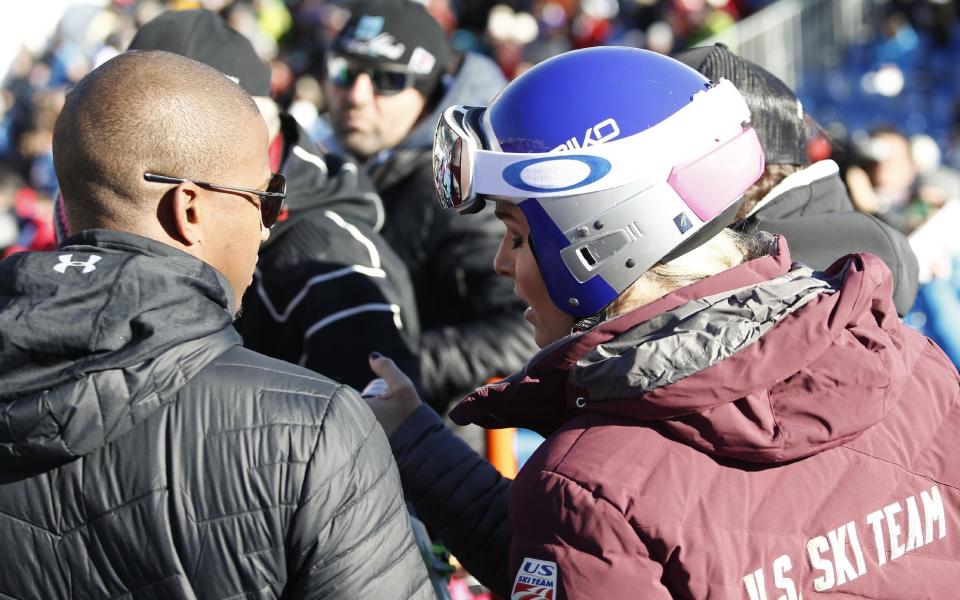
(536, 580)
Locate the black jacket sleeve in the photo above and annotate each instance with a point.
(351, 534)
(458, 494)
(328, 318)
(341, 348)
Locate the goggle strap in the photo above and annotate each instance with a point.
(713, 117)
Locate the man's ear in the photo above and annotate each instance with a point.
(187, 218)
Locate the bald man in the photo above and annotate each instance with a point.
(143, 451)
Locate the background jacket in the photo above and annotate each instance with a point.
(812, 210)
(144, 453)
(763, 433)
(328, 290)
(472, 324)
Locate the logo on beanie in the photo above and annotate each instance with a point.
(368, 27)
(383, 45)
(421, 61)
(370, 40)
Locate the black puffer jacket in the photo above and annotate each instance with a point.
(472, 325)
(329, 290)
(144, 453)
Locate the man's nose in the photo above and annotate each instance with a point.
(362, 90)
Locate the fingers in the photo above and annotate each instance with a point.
(388, 370)
(400, 400)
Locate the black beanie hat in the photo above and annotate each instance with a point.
(205, 37)
(775, 112)
(399, 33)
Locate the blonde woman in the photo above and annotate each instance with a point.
(720, 422)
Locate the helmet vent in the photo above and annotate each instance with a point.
(588, 257)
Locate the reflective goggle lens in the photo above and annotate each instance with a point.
(447, 147)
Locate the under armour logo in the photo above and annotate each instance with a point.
(66, 260)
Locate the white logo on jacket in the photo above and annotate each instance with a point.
(66, 261)
(837, 557)
(536, 580)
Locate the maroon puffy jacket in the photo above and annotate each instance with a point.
(767, 433)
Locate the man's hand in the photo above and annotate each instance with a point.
(400, 400)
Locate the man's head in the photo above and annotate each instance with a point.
(891, 167)
(205, 37)
(775, 112)
(386, 65)
(156, 112)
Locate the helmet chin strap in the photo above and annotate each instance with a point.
(585, 323)
(588, 323)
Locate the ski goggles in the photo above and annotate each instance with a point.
(271, 199)
(699, 150)
(387, 80)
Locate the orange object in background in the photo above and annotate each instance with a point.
(500, 451)
(501, 446)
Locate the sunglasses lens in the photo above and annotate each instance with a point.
(270, 210)
(270, 206)
(390, 82)
(341, 73)
(278, 184)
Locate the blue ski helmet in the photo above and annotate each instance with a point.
(619, 158)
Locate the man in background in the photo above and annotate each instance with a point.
(387, 85)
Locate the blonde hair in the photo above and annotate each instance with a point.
(724, 251)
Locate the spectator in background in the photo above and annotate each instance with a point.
(26, 220)
(328, 290)
(806, 203)
(386, 88)
(143, 451)
(882, 177)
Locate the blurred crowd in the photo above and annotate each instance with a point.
(292, 37)
(888, 113)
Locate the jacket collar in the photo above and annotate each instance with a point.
(806, 177)
(529, 398)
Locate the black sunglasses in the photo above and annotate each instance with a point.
(387, 81)
(271, 199)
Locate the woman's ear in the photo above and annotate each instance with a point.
(187, 217)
